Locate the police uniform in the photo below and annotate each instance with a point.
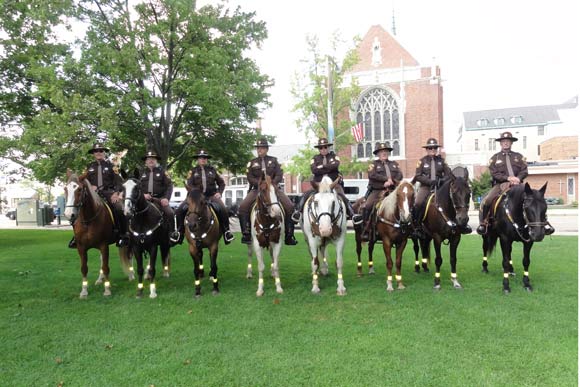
(427, 176)
(378, 175)
(254, 170)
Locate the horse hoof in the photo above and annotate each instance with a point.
(249, 276)
(401, 287)
(83, 296)
(417, 270)
(390, 289)
(107, 293)
(371, 271)
(280, 291)
(341, 292)
(528, 289)
(197, 296)
(315, 290)
(425, 270)
(153, 295)
(215, 292)
(484, 270)
(437, 287)
(512, 274)
(131, 277)
(506, 291)
(166, 274)
(259, 293)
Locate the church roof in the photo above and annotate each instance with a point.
(380, 50)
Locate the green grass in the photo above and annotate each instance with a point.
(472, 337)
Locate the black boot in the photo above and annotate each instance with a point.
(245, 226)
(290, 240)
(356, 218)
(225, 224)
(73, 243)
(366, 225)
(297, 214)
(483, 222)
(417, 228)
(123, 234)
(180, 221)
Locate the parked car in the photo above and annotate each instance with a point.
(551, 201)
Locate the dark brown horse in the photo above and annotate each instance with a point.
(446, 212)
(93, 228)
(394, 224)
(202, 230)
(358, 231)
(148, 230)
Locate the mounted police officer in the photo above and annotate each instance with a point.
(206, 179)
(109, 185)
(384, 176)
(325, 163)
(158, 187)
(269, 166)
(431, 173)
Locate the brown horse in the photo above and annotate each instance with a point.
(202, 230)
(93, 228)
(358, 231)
(394, 224)
(445, 214)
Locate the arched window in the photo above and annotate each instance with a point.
(381, 120)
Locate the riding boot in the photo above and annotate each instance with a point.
(417, 229)
(245, 227)
(366, 225)
(289, 225)
(73, 243)
(483, 221)
(356, 218)
(123, 234)
(180, 221)
(297, 214)
(225, 225)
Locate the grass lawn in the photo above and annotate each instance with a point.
(472, 337)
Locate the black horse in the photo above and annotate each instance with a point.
(444, 217)
(518, 216)
(148, 230)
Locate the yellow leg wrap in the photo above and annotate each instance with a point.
(506, 275)
(425, 260)
(249, 265)
(277, 280)
(370, 263)
(166, 268)
(526, 273)
(261, 281)
(359, 264)
(200, 267)
(197, 282)
(454, 275)
(85, 283)
(314, 277)
(140, 286)
(485, 258)
(215, 280)
(340, 276)
(107, 284)
(437, 275)
(399, 277)
(152, 287)
(389, 278)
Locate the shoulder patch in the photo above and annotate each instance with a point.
(418, 164)
(189, 174)
(524, 159)
(311, 161)
(249, 164)
(337, 158)
(371, 167)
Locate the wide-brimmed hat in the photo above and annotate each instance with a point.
(202, 153)
(262, 143)
(432, 143)
(323, 142)
(382, 146)
(506, 136)
(98, 147)
(151, 154)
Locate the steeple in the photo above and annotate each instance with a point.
(394, 29)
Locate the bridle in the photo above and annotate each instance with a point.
(315, 216)
(135, 211)
(398, 222)
(198, 223)
(527, 223)
(83, 194)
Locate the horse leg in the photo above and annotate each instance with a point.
(438, 262)
(371, 248)
(485, 248)
(416, 250)
(341, 289)
(152, 271)
(389, 262)
(127, 262)
(101, 276)
(506, 250)
(453, 260)
(526, 263)
(140, 272)
(399, 276)
(426, 253)
(324, 263)
(276, 267)
(249, 273)
(84, 271)
(260, 257)
(358, 240)
(105, 268)
(213, 253)
(166, 258)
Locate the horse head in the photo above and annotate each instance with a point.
(326, 205)
(267, 198)
(196, 210)
(460, 194)
(534, 210)
(133, 193)
(72, 192)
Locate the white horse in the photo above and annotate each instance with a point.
(267, 225)
(324, 222)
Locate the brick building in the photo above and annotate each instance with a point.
(401, 101)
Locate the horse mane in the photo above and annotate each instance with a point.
(325, 185)
(195, 196)
(94, 196)
(389, 203)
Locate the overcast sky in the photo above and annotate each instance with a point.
(492, 53)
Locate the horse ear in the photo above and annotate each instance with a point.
(136, 173)
(315, 185)
(68, 173)
(465, 173)
(528, 189)
(543, 189)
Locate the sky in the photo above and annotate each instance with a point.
(492, 53)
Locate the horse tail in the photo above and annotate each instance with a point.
(489, 242)
(125, 257)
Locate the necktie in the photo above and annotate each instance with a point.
(203, 179)
(387, 170)
(264, 166)
(433, 175)
(323, 160)
(150, 185)
(509, 165)
(99, 176)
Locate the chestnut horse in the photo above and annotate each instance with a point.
(394, 224)
(93, 228)
(202, 230)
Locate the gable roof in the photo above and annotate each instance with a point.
(391, 52)
(512, 117)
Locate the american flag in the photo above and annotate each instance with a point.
(357, 132)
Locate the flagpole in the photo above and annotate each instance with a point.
(329, 101)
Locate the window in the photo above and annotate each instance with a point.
(525, 142)
(541, 130)
(381, 121)
(491, 141)
(482, 122)
(516, 119)
(499, 121)
(239, 196)
(570, 186)
(240, 180)
(476, 144)
(351, 190)
(228, 201)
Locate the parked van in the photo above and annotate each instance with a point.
(233, 196)
(355, 188)
(179, 194)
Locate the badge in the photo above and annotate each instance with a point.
(144, 176)
(105, 169)
(91, 169)
(256, 165)
(498, 161)
(516, 160)
(426, 166)
(158, 175)
(269, 162)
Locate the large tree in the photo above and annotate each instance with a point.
(158, 75)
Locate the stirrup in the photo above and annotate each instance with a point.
(357, 219)
(174, 237)
(228, 237)
(296, 216)
(481, 229)
(72, 244)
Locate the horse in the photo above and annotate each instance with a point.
(358, 231)
(202, 230)
(449, 203)
(267, 227)
(324, 222)
(148, 231)
(519, 216)
(93, 228)
(394, 224)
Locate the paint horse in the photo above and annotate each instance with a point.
(202, 230)
(519, 215)
(148, 230)
(446, 212)
(394, 224)
(93, 228)
(323, 223)
(267, 226)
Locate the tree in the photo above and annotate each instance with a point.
(162, 75)
(310, 90)
(481, 185)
